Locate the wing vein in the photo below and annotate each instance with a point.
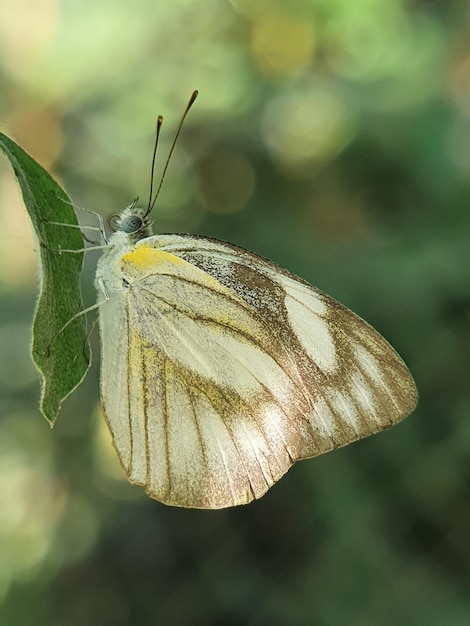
(128, 381)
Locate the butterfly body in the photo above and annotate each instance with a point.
(221, 369)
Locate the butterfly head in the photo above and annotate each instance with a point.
(133, 222)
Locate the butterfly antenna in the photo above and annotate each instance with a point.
(151, 203)
(154, 156)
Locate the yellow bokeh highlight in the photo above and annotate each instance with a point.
(282, 44)
(302, 127)
(26, 29)
(18, 264)
(38, 130)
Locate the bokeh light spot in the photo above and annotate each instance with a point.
(282, 44)
(306, 126)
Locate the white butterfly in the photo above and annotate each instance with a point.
(220, 369)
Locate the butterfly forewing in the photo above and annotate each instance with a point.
(332, 348)
(231, 368)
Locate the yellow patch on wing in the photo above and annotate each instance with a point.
(147, 257)
(145, 260)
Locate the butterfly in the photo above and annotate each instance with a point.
(220, 369)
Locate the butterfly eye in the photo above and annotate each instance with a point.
(129, 224)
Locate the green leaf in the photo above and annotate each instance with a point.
(61, 356)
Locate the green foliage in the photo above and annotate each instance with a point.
(62, 357)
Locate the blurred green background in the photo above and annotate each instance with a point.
(330, 136)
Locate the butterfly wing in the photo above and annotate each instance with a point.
(220, 369)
